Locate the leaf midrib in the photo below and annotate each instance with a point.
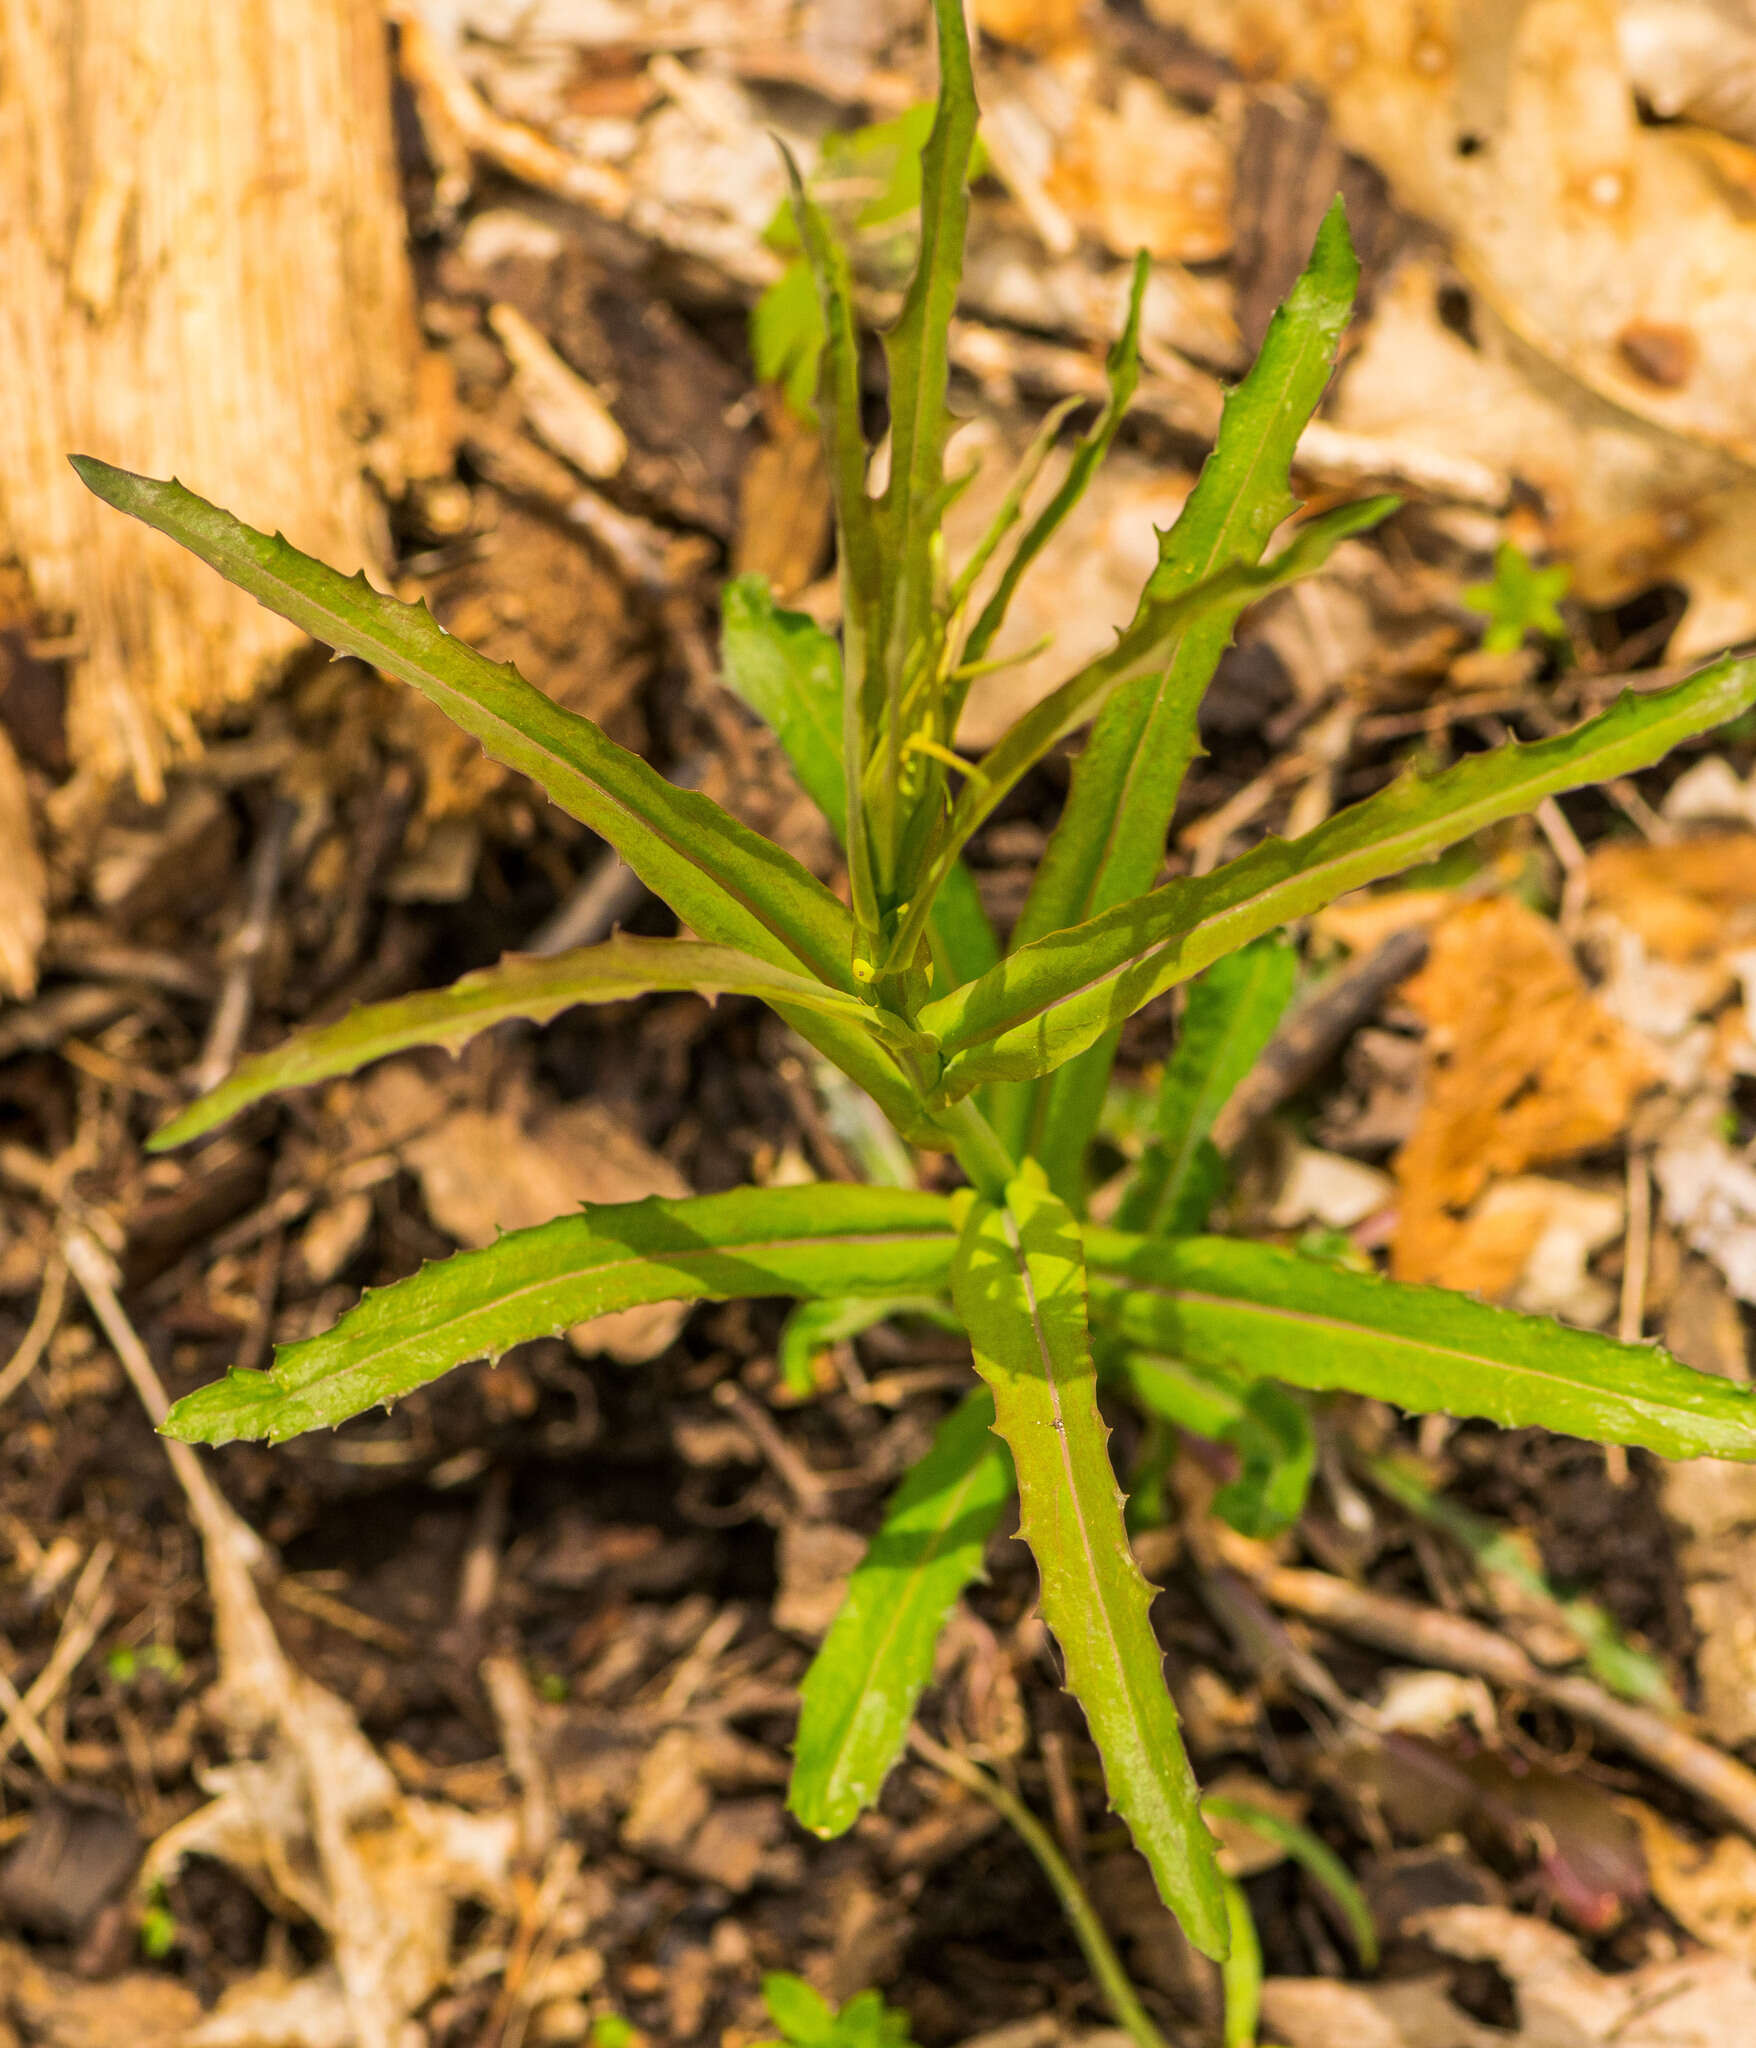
(1087, 1548)
(567, 1276)
(1442, 1354)
(1228, 527)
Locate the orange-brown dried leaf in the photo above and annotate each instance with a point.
(1524, 1067)
(1685, 900)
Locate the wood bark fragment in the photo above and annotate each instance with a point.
(207, 274)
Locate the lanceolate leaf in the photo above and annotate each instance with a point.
(788, 671)
(1110, 840)
(1255, 1310)
(725, 881)
(806, 1241)
(916, 348)
(1050, 1000)
(814, 1326)
(1232, 1011)
(858, 559)
(1018, 1283)
(1141, 651)
(1268, 1428)
(860, 1692)
(528, 987)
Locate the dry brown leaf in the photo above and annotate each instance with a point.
(1623, 504)
(1327, 1188)
(815, 1560)
(1684, 900)
(1524, 1067)
(1614, 264)
(1709, 1190)
(1362, 921)
(783, 506)
(1615, 248)
(1701, 2002)
(1527, 1242)
(1694, 58)
(141, 2009)
(1041, 25)
(1707, 1887)
(310, 1815)
(484, 1171)
(1243, 1850)
(1712, 1506)
(1144, 174)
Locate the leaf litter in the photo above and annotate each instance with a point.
(1617, 449)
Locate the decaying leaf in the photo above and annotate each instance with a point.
(1684, 900)
(1707, 1887)
(1617, 249)
(486, 1170)
(1701, 2002)
(1712, 1505)
(313, 1819)
(1524, 1067)
(1624, 504)
(1693, 58)
(1144, 174)
(53, 2009)
(1612, 264)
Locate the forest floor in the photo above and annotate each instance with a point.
(567, 1602)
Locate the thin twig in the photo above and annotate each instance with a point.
(1310, 1035)
(1564, 844)
(1088, 1929)
(1451, 1642)
(810, 1489)
(231, 1014)
(19, 1725)
(217, 1523)
(88, 1608)
(43, 1324)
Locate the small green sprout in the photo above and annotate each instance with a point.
(126, 1665)
(1521, 599)
(157, 1927)
(806, 2019)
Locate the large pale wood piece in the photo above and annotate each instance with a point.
(205, 273)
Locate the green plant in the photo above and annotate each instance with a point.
(1002, 1061)
(806, 2019)
(1519, 599)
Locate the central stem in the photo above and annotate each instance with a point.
(978, 1148)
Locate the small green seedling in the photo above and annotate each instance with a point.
(1002, 1060)
(806, 2019)
(157, 1926)
(1520, 600)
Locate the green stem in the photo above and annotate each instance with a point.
(978, 1147)
(1241, 1972)
(1088, 1929)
